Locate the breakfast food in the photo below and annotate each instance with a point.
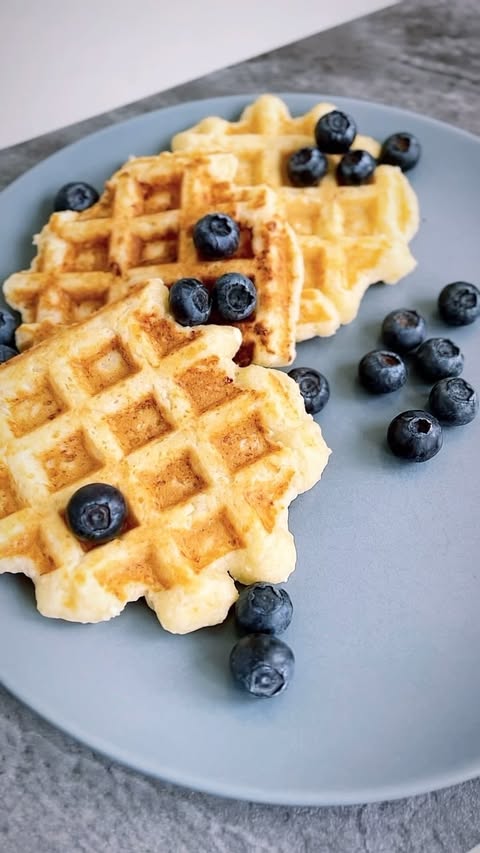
(415, 435)
(207, 457)
(382, 371)
(403, 330)
(350, 236)
(402, 150)
(438, 358)
(453, 401)
(143, 226)
(76, 195)
(262, 664)
(459, 303)
(314, 388)
(263, 608)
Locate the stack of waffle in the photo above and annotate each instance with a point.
(207, 451)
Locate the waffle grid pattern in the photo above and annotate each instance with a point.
(193, 443)
(350, 237)
(142, 226)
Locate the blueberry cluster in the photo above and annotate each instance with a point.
(417, 434)
(233, 297)
(335, 133)
(260, 663)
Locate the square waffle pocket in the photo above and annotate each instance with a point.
(350, 237)
(207, 454)
(142, 227)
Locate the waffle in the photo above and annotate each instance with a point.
(350, 237)
(207, 454)
(142, 227)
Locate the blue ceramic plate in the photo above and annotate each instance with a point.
(386, 629)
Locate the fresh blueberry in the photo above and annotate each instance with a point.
(6, 353)
(453, 401)
(403, 330)
(263, 608)
(459, 303)
(415, 435)
(216, 235)
(355, 168)
(401, 149)
(75, 196)
(437, 358)
(190, 302)
(314, 388)
(8, 324)
(96, 512)
(235, 297)
(306, 167)
(335, 132)
(381, 371)
(261, 664)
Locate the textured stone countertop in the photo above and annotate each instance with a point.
(57, 796)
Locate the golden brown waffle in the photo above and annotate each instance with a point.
(350, 237)
(142, 227)
(207, 454)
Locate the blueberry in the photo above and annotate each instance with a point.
(335, 132)
(263, 608)
(6, 353)
(8, 324)
(190, 302)
(459, 303)
(314, 388)
(261, 664)
(355, 168)
(382, 371)
(401, 149)
(75, 196)
(235, 297)
(96, 512)
(415, 435)
(306, 167)
(403, 330)
(216, 235)
(437, 358)
(453, 401)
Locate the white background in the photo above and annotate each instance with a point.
(62, 61)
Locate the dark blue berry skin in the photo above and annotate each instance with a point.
(453, 401)
(438, 358)
(6, 353)
(263, 608)
(382, 371)
(415, 436)
(216, 236)
(403, 330)
(355, 168)
(96, 512)
(335, 132)
(8, 324)
(314, 388)
(459, 303)
(190, 302)
(262, 664)
(402, 150)
(75, 196)
(235, 297)
(306, 167)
